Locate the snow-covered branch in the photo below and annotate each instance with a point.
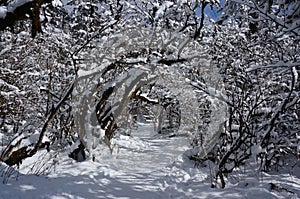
(273, 66)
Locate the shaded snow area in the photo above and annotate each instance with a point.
(11, 7)
(143, 165)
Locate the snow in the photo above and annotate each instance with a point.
(16, 3)
(278, 64)
(84, 73)
(143, 165)
(162, 8)
(56, 3)
(295, 73)
(3, 11)
(11, 7)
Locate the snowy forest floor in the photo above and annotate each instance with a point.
(143, 165)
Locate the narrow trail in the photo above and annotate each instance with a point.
(145, 159)
(144, 165)
(147, 151)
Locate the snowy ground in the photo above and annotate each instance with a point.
(143, 165)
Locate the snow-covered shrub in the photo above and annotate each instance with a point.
(93, 59)
(256, 49)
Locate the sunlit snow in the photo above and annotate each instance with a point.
(143, 165)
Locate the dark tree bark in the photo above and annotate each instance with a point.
(29, 10)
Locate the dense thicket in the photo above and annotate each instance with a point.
(256, 48)
(97, 67)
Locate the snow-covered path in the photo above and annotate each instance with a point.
(146, 161)
(143, 166)
(145, 151)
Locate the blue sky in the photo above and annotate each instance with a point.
(212, 12)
